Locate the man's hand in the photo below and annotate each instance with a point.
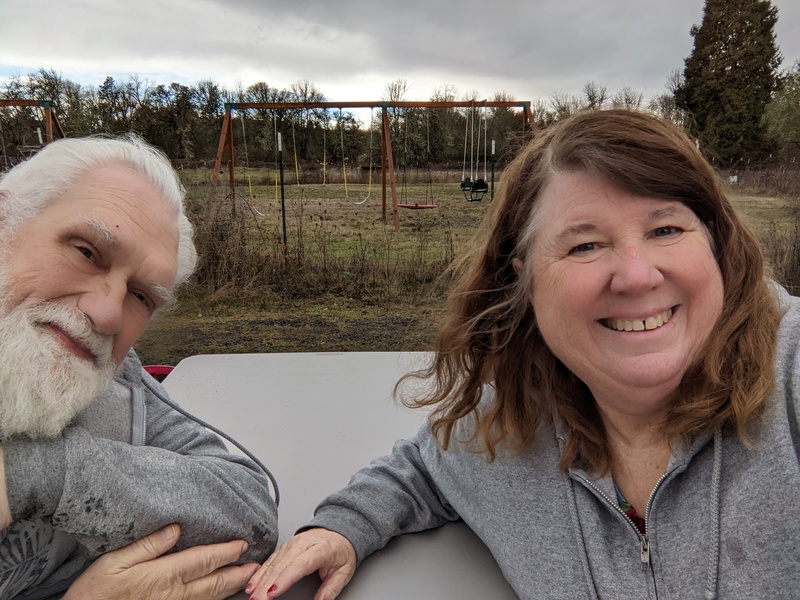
(313, 550)
(140, 571)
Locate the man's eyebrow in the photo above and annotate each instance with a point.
(104, 233)
(108, 237)
(166, 296)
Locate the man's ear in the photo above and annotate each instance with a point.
(3, 207)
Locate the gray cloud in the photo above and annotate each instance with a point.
(351, 49)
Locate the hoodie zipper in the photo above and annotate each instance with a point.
(644, 543)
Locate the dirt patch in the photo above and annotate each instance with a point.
(291, 329)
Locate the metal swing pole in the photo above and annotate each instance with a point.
(371, 130)
(283, 197)
(491, 197)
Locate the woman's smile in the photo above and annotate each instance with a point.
(643, 324)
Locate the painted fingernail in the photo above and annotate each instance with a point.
(272, 588)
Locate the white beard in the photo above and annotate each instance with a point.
(43, 385)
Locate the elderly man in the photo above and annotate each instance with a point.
(93, 459)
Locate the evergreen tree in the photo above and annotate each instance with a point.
(730, 76)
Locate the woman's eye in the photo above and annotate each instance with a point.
(666, 231)
(583, 248)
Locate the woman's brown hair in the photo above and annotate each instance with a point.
(491, 336)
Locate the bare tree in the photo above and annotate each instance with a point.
(310, 120)
(674, 81)
(565, 105)
(446, 93)
(627, 97)
(542, 115)
(596, 94)
(664, 105)
(395, 90)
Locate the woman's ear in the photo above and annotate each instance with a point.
(519, 267)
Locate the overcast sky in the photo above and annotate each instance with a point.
(351, 49)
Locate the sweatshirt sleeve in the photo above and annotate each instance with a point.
(395, 494)
(788, 363)
(107, 493)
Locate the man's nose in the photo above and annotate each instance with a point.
(635, 271)
(103, 305)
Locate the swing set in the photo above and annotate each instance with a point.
(371, 131)
(474, 187)
(387, 165)
(429, 202)
(50, 119)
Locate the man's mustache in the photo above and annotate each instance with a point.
(75, 324)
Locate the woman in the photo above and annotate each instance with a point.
(615, 392)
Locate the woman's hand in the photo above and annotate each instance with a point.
(140, 571)
(313, 550)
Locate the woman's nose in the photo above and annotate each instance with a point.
(635, 271)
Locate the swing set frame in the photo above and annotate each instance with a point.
(388, 174)
(50, 119)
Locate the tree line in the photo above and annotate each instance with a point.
(731, 95)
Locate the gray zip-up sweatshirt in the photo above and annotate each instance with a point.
(723, 522)
(128, 465)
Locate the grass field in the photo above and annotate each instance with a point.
(345, 281)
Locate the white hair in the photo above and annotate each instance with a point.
(43, 386)
(34, 184)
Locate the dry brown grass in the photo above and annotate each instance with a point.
(348, 281)
(336, 238)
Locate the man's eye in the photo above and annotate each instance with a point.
(87, 252)
(143, 299)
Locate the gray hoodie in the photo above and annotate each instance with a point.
(723, 522)
(129, 464)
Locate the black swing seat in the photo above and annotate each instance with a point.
(474, 190)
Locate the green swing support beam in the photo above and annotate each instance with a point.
(387, 159)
